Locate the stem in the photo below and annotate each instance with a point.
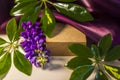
(41, 4)
(44, 1)
(11, 46)
(50, 2)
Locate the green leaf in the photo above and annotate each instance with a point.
(81, 50)
(95, 51)
(82, 73)
(22, 8)
(17, 35)
(100, 76)
(48, 22)
(5, 64)
(77, 62)
(114, 54)
(20, 1)
(73, 11)
(1, 51)
(31, 15)
(67, 0)
(11, 29)
(21, 63)
(2, 41)
(104, 44)
(113, 71)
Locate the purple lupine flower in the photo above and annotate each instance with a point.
(34, 44)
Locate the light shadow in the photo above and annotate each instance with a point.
(54, 64)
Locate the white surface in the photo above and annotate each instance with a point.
(54, 71)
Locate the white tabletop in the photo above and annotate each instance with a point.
(54, 71)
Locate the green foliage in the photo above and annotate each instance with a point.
(21, 62)
(82, 72)
(21, 1)
(73, 11)
(83, 66)
(8, 48)
(1, 51)
(2, 41)
(32, 14)
(30, 9)
(22, 8)
(95, 52)
(80, 50)
(48, 22)
(66, 0)
(77, 62)
(104, 44)
(11, 29)
(113, 54)
(100, 75)
(5, 64)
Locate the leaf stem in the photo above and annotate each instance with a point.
(41, 4)
(49, 2)
(45, 4)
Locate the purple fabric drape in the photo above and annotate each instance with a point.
(5, 7)
(107, 14)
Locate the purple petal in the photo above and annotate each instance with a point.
(36, 38)
(29, 23)
(23, 34)
(37, 64)
(24, 25)
(47, 52)
(33, 60)
(37, 24)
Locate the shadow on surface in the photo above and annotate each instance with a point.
(55, 64)
(59, 27)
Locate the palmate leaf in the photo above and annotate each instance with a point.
(5, 64)
(28, 8)
(2, 41)
(77, 62)
(1, 51)
(22, 8)
(97, 61)
(31, 15)
(22, 64)
(66, 0)
(113, 71)
(81, 50)
(114, 54)
(11, 29)
(21, 1)
(104, 44)
(82, 73)
(73, 11)
(95, 51)
(48, 22)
